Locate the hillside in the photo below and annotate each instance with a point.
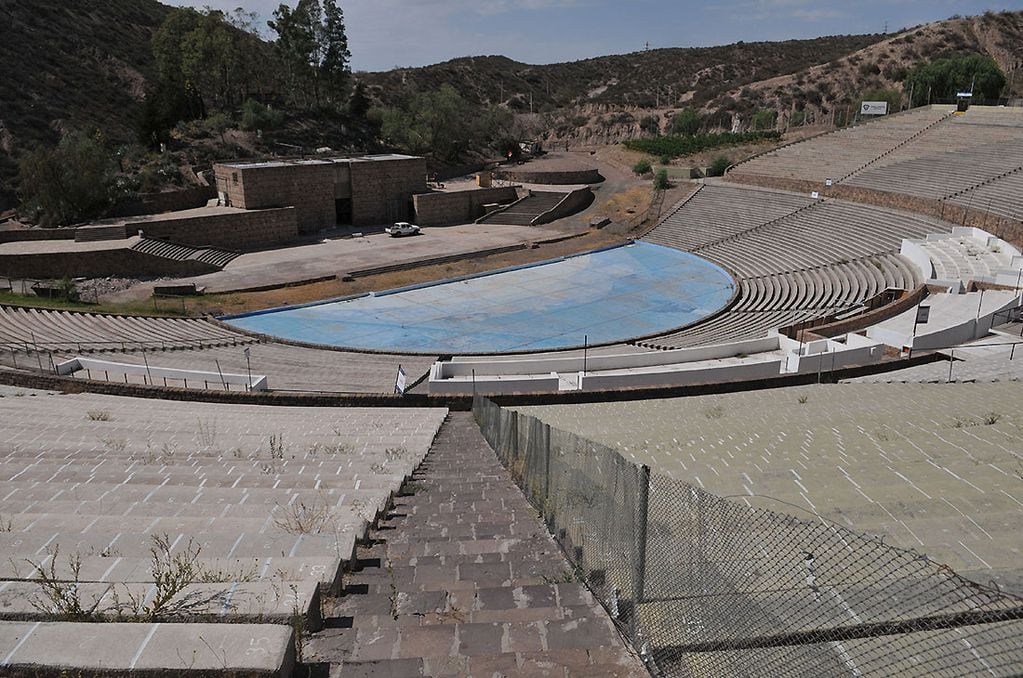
(71, 64)
(86, 64)
(637, 80)
(614, 98)
(837, 83)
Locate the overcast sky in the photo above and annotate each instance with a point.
(385, 34)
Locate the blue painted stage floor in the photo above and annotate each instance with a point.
(607, 296)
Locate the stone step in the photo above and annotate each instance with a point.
(145, 650)
(563, 664)
(462, 578)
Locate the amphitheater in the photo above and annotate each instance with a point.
(822, 476)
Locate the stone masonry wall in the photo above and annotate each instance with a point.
(240, 229)
(309, 188)
(458, 207)
(551, 178)
(97, 264)
(382, 190)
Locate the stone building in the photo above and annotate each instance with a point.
(360, 190)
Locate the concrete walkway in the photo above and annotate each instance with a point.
(463, 579)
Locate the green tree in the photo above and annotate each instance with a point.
(69, 183)
(642, 167)
(764, 119)
(334, 67)
(358, 103)
(661, 182)
(686, 122)
(942, 79)
(313, 45)
(444, 124)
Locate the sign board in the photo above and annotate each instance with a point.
(400, 382)
(965, 95)
(923, 314)
(874, 108)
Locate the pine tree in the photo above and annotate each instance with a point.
(334, 68)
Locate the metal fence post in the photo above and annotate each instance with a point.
(546, 468)
(639, 577)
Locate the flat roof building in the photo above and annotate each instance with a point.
(358, 190)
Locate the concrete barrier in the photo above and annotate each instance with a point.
(78, 364)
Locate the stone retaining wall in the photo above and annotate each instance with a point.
(552, 178)
(573, 202)
(33, 234)
(239, 229)
(97, 264)
(171, 201)
(458, 207)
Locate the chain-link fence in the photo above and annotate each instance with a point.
(704, 586)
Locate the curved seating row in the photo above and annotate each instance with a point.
(57, 330)
(845, 151)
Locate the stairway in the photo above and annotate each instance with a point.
(463, 579)
(523, 212)
(168, 250)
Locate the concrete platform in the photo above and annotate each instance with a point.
(56, 648)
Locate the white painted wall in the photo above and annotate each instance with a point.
(259, 382)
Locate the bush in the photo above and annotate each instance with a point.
(718, 167)
(661, 180)
(686, 122)
(642, 167)
(665, 159)
(257, 116)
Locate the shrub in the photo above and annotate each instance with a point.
(661, 180)
(256, 116)
(642, 167)
(718, 167)
(686, 122)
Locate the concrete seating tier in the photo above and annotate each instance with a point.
(263, 505)
(828, 287)
(523, 212)
(719, 211)
(947, 173)
(957, 134)
(48, 330)
(965, 258)
(916, 464)
(794, 258)
(1000, 196)
(843, 152)
(731, 327)
(831, 232)
(288, 368)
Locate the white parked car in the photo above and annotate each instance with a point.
(403, 228)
